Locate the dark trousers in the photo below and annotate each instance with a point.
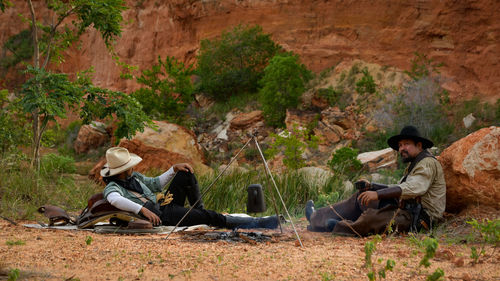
(374, 220)
(182, 188)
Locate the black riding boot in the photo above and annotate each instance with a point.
(234, 222)
(309, 209)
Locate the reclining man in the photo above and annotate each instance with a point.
(133, 192)
(416, 202)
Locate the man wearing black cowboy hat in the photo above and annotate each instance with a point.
(415, 203)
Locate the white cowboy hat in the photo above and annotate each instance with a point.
(118, 160)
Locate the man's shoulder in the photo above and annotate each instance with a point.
(430, 162)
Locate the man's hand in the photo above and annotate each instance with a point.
(362, 182)
(152, 217)
(183, 167)
(367, 196)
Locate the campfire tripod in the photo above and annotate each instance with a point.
(269, 175)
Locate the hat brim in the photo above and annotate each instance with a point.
(107, 172)
(393, 141)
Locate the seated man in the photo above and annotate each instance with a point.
(133, 192)
(416, 202)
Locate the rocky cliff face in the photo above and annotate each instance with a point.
(464, 35)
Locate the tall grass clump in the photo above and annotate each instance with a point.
(23, 191)
(229, 194)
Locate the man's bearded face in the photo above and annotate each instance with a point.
(408, 149)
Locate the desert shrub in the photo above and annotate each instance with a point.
(344, 163)
(282, 85)
(420, 102)
(13, 129)
(22, 192)
(167, 89)
(233, 64)
(331, 95)
(292, 145)
(54, 163)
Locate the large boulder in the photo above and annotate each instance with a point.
(154, 160)
(173, 138)
(472, 170)
(90, 137)
(374, 160)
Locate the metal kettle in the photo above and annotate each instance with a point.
(255, 200)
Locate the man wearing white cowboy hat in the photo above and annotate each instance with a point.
(133, 192)
(415, 203)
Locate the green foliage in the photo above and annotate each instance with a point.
(293, 145)
(49, 94)
(168, 89)
(88, 240)
(20, 46)
(370, 248)
(436, 275)
(13, 130)
(13, 274)
(4, 4)
(344, 163)
(15, 243)
(431, 246)
(102, 103)
(366, 89)
(422, 67)
(282, 85)
(233, 64)
(103, 15)
(55, 164)
(331, 95)
(489, 231)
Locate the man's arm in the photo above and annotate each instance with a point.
(168, 175)
(122, 203)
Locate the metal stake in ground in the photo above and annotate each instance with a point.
(208, 188)
(277, 190)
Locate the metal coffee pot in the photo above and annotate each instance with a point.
(255, 200)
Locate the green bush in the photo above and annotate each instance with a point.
(282, 85)
(293, 145)
(168, 89)
(13, 129)
(54, 163)
(233, 64)
(344, 163)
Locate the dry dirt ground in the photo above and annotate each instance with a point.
(65, 255)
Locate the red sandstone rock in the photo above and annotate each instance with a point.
(88, 138)
(155, 160)
(461, 34)
(471, 167)
(246, 120)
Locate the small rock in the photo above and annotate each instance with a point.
(469, 120)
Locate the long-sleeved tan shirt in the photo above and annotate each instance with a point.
(427, 181)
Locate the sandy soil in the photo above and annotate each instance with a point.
(63, 255)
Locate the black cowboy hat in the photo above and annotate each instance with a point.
(409, 132)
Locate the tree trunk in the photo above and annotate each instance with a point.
(35, 162)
